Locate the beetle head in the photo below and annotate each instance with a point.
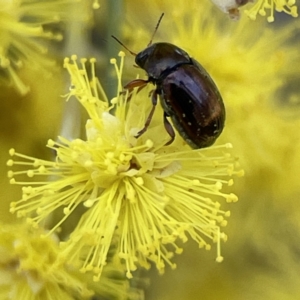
(160, 57)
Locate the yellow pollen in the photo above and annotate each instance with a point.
(12, 152)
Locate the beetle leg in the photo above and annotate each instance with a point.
(169, 129)
(139, 83)
(149, 118)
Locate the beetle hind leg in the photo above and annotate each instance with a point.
(169, 129)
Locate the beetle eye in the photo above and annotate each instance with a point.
(141, 59)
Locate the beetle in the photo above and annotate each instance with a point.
(187, 93)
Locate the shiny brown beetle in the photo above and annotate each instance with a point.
(188, 94)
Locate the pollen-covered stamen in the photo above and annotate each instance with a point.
(35, 267)
(65, 193)
(261, 6)
(55, 197)
(96, 230)
(193, 201)
(119, 70)
(96, 4)
(20, 26)
(40, 167)
(153, 223)
(214, 164)
(77, 162)
(145, 218)
(88, 91)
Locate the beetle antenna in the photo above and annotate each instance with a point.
(157, 25)
(131, 52)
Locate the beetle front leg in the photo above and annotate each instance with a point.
(149, 118)
(139, 83)
(169, 129)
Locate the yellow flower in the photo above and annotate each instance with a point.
(32, 267)
(260, 7)
(138, 195)
(20, 23)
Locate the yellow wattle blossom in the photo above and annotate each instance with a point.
(136, 197)
(31, 267)
(21, 23)
(261, 6)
